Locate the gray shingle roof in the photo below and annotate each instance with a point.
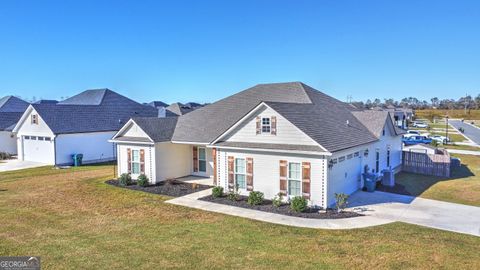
(88, 97)
(318, 115)
(12, 104)
(158, 129)
(11, 110)
(8, 120)
(207, 123)
(113, 111)
(177, 109)
(157, 104)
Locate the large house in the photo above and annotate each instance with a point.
(51, 133)
(11, 109)
(275, 138)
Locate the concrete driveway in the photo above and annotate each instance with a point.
(430, 213)
(14, 164)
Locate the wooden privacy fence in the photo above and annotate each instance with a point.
(437, 164)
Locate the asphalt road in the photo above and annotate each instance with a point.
(471, 132)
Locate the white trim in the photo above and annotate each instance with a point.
(244, 173)
(130, 142)
(192, 143)
(254, 110)
(272, 150)
(126, 127)
(291, 179)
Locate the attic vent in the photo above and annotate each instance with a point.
(347, 123)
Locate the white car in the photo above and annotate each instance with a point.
(411, 133)
(440, 139)
(419, 125)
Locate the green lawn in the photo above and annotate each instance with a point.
(73, 220)
(463, 187)
(461, 147)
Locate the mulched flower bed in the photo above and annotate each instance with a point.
(267, 206)
(168, 188)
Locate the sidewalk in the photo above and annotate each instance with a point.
(463, 152)
(378, 207)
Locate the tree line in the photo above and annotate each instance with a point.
(467, 101)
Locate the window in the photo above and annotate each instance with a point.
(34, 119)
(135, 161)
(341, 159)
(388, 155)
(349, 156)
(294, 179)
(33, 138)
(27, 137)
(240, 173)
(48, 139)
(266, 125)
(40, 138)
(383, 132)
(377, 160)
(356, 154)
(202, 160)
(334, 161)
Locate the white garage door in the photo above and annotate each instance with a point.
(38, 149)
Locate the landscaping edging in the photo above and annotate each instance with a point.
(168, 188)
(267, 206)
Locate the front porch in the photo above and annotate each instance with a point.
(193, 179)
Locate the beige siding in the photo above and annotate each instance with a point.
(266, 172)
(287, 133)
(173, 160)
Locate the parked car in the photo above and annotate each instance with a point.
(419, 125)
(440, 139)
(411, 133)
(416, 140)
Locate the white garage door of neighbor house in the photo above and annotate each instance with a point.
(38, 149)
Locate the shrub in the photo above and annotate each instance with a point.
(341, 201)
(5, 156)
(233, 194)
(125, 179)
(277, 200)
(298, 204)
(217, 192)
(255, 198)
(142, 180)
(434, 143)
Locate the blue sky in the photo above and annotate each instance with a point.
(205, 50)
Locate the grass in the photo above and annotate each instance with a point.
(430, 114)
(463, 187)
(460, 147)
(73, 220)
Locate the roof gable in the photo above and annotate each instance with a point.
(111, 114)
(12, 104)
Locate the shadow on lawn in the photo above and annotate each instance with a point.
(415, 184)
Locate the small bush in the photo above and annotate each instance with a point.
(341, 201)
(125, 179)
(5, 156)
(217, 192)
(233, 194)
(277, 200)
(142, 180)
(298, 204)
(255, 198)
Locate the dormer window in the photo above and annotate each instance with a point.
(266, 125)
(35, 119)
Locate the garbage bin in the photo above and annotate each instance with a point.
(77, 159)
(370, 185)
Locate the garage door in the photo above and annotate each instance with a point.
(38, 149)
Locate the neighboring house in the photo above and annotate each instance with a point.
(46, 101)
(400, 116)
(11, 109)
(83, 124)
(160, 106)
(178, 109)
(283, 137)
